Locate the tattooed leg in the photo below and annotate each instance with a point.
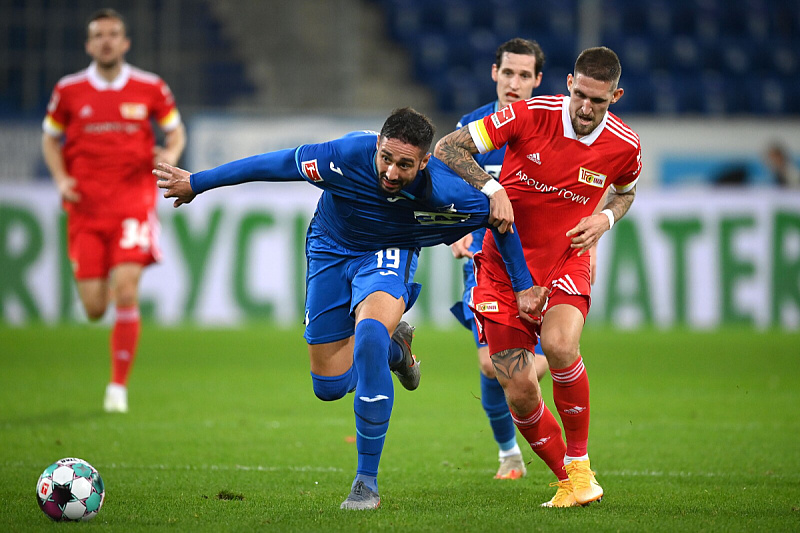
(517, 374)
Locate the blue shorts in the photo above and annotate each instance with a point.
(338, 279)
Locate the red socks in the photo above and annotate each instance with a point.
(571, 397)
(124, 337)
(543, 433)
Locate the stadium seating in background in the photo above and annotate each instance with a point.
(42, 40)
(695, 57)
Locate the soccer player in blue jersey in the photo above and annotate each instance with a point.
(383, 198)
(517, 71)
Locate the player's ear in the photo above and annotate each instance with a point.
(494, 72)
(570, 81)
(618, 92)
(538, 80)
(424, 162)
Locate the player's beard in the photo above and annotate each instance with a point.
(582, 129)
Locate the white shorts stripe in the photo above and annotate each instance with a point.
(561, 284)
(572, 283)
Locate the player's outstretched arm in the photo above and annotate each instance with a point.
(589, 230)
(175, 182)
(456, 150)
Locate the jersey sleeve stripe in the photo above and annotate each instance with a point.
(624, 188)
(621, 135)
(72, 79)
(545, 100)
(622, 126)
(144, 76)
(51, 127)
(622, 129)
(171, 121)
(480, 136)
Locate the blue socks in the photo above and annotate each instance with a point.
(494, 404)
(374, 397)
(329, 388)
(395, 353)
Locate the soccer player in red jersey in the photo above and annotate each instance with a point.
(102, 171)
(562, 153)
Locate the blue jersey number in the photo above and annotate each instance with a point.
(389, 258)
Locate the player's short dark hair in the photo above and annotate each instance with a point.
(599, 63)
(409, 126)
(521, 46)
(107, 13)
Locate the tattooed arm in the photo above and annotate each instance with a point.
(456, 150)
(589, 230)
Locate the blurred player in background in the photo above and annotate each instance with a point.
(779, 162)
(102, 171)
(517, 71)
(562, 152)
(383, 198)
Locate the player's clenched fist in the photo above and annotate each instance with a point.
(175, 182)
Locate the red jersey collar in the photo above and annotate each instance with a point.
(100, 83)
(569, 131)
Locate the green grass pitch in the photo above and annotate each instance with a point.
(691, 431)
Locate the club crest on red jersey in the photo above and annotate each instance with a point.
(487, 307)
(133, 110)
(589, 177)
(503, 117)
(311, 170)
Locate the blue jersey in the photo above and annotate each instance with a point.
(438, 207)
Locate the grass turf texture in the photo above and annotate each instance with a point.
(690, 431)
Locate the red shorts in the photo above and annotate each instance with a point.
(95, 245)
(495, 305)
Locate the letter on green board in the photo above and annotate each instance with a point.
(251, 224)
(196, 246)
(679, 232)
(785, 265)
(733, 269)
(15, 263)
(628, 285)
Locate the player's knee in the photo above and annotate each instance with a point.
(559, 349)
(330, 388)
(126, 297)
(369, 333)
(487, 369)
(95, 311)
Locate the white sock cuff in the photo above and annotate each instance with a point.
(502, 454)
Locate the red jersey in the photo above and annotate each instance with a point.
(552, 178)
(109, 141)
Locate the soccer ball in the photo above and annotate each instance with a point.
(70, 489)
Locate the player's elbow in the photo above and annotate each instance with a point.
(439, 149)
